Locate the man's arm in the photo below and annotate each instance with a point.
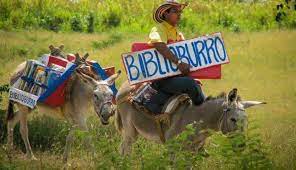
(166, 53)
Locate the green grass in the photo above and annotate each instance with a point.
(263, 67)
(201, 16)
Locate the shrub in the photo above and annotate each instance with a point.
(240, 150)
(112, 19)
(90, 22)
(3, 89)
(201, 16)
(52, 23)
(30, 21)
(225, 20)
(76, 24)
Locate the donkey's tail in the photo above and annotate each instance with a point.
(118, 122)
(10, 111)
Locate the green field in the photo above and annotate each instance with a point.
(263, 67)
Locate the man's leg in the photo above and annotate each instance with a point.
(180, 85)
(156, 102)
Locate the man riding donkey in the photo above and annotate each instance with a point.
(167, 16)
(168, 113)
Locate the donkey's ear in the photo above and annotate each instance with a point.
(61, 47)
(112, 78)
(248, 104)
(51, 47)
(232, 95)
(87, 79)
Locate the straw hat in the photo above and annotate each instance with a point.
(158, 13)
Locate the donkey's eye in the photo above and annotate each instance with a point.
(233, 120)
(96, 96)
(243, 110)
(226, 109)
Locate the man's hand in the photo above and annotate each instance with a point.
(184, 68)
(166, 53)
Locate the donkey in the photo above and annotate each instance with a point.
(84, 92)
(224, 113)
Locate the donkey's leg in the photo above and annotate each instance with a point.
(89, 145)
(24, 133)
(129, 136)
(88, 139)
(79, 123)
(69, 141)
(199, 142)
(10, 128)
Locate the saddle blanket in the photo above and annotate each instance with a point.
(143, 93)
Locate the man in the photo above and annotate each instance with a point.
(167, 16)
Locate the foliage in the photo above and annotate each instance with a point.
(240, 150)
(52, 23)
(76, 24)
(3, 88)
(90, 22)
(235, 151)
(136, 16)
(111, 19)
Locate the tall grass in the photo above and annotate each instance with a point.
(201, 16)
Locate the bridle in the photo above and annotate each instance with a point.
(107, 102)
(224, 117)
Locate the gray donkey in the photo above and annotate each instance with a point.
(224, 113)
(84, 92)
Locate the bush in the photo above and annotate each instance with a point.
(3, 89)
(225, 20)
(90, 22)
(112, 19)
(201, 16)
(241, 150)
(52, 23)
(76, 24)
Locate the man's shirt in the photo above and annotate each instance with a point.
(166, 33)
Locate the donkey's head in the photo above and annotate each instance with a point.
(57, 51)
(234, 115)
(102, 95)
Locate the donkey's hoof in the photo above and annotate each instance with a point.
(65, 160)
(31, 157)
(203, 152)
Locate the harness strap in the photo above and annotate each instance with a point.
(160, 120)
(126, 98)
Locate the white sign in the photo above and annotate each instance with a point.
(202, 52)
(23, 97)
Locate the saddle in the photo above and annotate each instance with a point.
(144, 92)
